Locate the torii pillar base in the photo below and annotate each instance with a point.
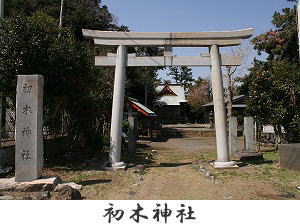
(224, 165)
(118, 166)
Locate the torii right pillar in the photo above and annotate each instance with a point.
(219, 111)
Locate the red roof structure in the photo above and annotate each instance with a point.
(166, 91)
(139, 107)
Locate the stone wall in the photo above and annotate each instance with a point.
(289, 156)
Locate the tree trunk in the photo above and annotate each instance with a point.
(278, 135)
(229, 92)
(258, 135)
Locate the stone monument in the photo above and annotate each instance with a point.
(289, 156)
(249, 134)
(249, 151)
(132, 131)
(29, 128)
(233, 148)
(29, 139)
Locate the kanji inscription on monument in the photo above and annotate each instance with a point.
(29, 128)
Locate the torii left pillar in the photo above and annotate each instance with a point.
(117, 109)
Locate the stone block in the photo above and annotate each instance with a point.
(29, 128)
(140, 167)
(7, 197)
(232, 140)
(249, 134)
(72, 184)
(44, 195)
(68, 193)
(42, 184)
(132, 131)
(289, 156)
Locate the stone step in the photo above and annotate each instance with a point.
(185, 133)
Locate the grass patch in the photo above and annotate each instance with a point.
(208, 156)
(140, 157)
(228, 175)
(63, 167)
(77, 178)
(271, 156)
(266, 170)
(142, 172)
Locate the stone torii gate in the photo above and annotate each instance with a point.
(212, 40)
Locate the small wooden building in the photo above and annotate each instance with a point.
(238, 107)
(145, 117)
(170, 104)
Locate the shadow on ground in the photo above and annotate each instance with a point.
(142, 156)
(76, 160)
(92, 182)
(170, 164)
(246, 162)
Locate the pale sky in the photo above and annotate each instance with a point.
(195, 16)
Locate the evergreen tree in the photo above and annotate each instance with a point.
(274, 85)
(182, 75)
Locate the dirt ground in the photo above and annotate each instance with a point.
(172, 171)
(174, 174)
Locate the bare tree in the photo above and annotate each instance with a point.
(200, 93)
(231, 72)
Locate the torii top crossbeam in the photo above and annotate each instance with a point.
(168, 40)
(177, 39)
